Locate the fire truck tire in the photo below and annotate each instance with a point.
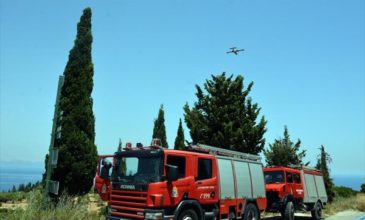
(317, 211)
(288, 213)
(251, 212)
(188, 214)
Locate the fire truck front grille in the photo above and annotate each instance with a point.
(128, 204)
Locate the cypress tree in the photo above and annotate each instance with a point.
(120, 146)
(322, 164)
(284, 152)
(159, 130)
(179, 140)
(77, 152)
(225, 116)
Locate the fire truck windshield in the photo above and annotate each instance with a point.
(274, 177)
(134, 169)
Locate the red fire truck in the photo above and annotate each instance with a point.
(201, 183)
(295, 189)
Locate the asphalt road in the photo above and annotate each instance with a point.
(345, 215)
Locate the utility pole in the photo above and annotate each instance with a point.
(52, 186)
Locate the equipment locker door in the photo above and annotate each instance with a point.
(103, 174)
(298, 186)
(206, 183)
(289, 183)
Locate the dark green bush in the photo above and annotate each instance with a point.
(343, 191)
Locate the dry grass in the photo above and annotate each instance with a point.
(67, 208)
(352, 203)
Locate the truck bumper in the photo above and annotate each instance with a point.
(164, 217)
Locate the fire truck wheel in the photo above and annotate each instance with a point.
(289, 211)
(251, 212)
(188, 214)
(317, 211)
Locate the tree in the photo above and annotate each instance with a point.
(77, 152)
(28, 187)
(44, 176)
(284, 152)
(362, 188)
(159, 130)
(21, 187)
(120, 146)
(322, 164)
(225, 116)
(179, 140)
(13, 189)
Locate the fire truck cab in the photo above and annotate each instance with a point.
(201, 183)
(291, 189)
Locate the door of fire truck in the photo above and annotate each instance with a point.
(103, 174)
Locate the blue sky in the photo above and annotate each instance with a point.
(306, 58)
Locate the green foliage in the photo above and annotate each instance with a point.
(44, 176)
(120, 146)
(12, 196)
(21, 187)
(322, 164)
(225, 116)
(344, 192)
(180, 139)
(362, 188)
(77, 152)
(159, 130)
(284, 152)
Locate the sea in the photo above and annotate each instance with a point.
(14, 173)
(20, 172)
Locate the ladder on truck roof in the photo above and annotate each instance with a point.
(302, 167)
(222, 152)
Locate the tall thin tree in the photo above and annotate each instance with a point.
(159, 130)
(180, 139)
(119, 146)
(77, 152)
(322, 164)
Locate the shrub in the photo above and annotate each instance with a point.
(362, 188)
(12, 196)
(344, 192)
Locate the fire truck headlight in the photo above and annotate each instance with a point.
(153, 215)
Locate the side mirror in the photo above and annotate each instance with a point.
(104, 174)
(171, 172)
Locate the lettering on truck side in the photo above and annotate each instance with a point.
(205, 196)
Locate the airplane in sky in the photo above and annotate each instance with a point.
(234, 50)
